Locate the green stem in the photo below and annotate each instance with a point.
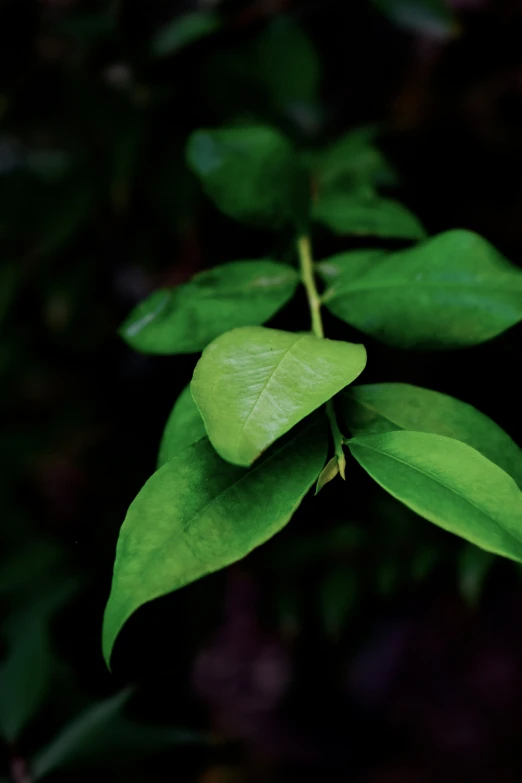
(306, 263)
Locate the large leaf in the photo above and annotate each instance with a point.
(198, 514)
(384, 407)
(448, 483)
(367, 215)
(452, 291)
(187, 318)
(252, 174)
(184, 427)
(252, 385)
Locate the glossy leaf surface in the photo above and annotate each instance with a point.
(198, 514)
(252, 385)
(184, 427)
(452, 291)
(187, 318)
(385, 407)
(448, 483)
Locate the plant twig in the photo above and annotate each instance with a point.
(304, 249)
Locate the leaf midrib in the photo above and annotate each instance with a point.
(443, 484)
(332, 294)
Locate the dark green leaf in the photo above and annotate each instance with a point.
(252, 174)
(103, 730)
(355, 264)
(353, 163)
(198, 514)
(288, 66)
(187, 318)
(448, 483)
(384, 407)
(451, 291)
(252, 385)
(473, 568)
(432, 18)
(184, 427)
(367, 215)
(184, 30)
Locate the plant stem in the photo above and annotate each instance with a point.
(304, 249)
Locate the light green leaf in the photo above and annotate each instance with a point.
(252, 385)
(198, 514)
(184, 30)
(384, 407)
(353, 163)
(184, 427)
(328, 473)
(432, 18)
(187, 318)
(448, 483)
(451, 291)
(252, 174)
(287, 65)
(367, 215)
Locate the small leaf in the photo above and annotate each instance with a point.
(252, 385)
(385, 407)
(184, 427)
(252, 174)
(328, 473)
(368, 215)
(452, 291)
(353, 163)
(473, 568)
(184, 30)
(448, 483)
(187, 318)
(432, 18)
(198, 514)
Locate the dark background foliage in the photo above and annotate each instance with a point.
(362, 643)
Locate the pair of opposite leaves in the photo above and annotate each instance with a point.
(452, 291)
(439, 456)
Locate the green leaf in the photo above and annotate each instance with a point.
(252, 385)
(287, 65)
(103, 731)
(355, 263)
(385, 407)
(25, 674)
(448, 483)
(353, 163)
(187, 318)
(452, 291)
(473, 567)
(184, 427)
(198, 514)
(252, 174)
(184, 30)
(367, 215)
(432, 18)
